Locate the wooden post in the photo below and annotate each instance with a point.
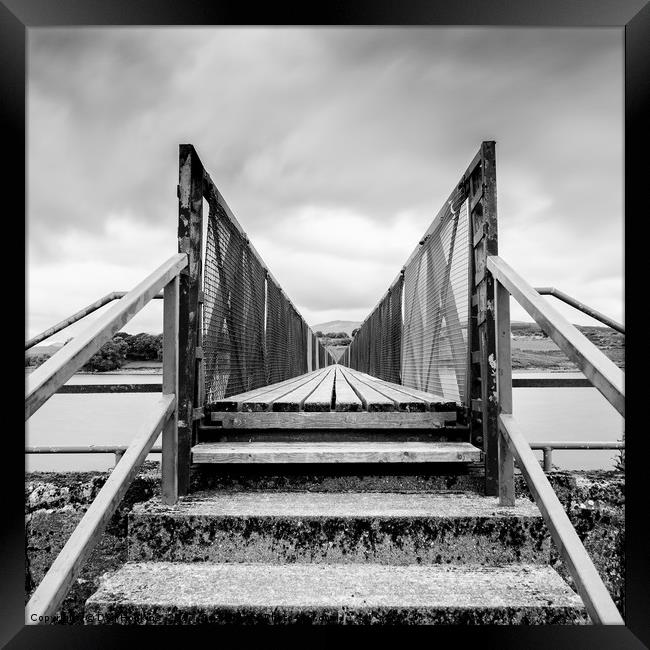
(190, 234)
(170, 457)
(483, 222)
(504, 392)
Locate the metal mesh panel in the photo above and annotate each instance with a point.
(252, 334)
(436, 307)
(424, 344)
(277, 334)
(233, 311)
(376, 347)
(390, 335)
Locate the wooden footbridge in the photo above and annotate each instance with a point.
(379, 489)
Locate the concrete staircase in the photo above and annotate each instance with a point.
(360, 544)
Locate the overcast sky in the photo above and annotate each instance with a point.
(334, 148)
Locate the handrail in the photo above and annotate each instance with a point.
(82, 449)
(82, 313)
(594, 594)
(52, 589)
(52, 374)
(548, 447)
(512, 444)
(560, 295)
(163, 417)
(597, 367)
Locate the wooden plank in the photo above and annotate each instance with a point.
(598, 602)
(259, 400)
(235, 402)
(51, 591)
(596, 366)
(46, 380)
(433, 401)
(371, 399)
(346, 398)
(264, 401)
(170, 458)
(403, 401)
(333, 420)
(294, 400)
(321, 399)
(335, 452)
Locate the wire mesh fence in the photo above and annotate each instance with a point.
(418, 333)
(436, 308)
(252, 333)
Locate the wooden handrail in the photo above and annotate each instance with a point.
(52, 374)
(597, 367)
(51, 591)
(82, 313)
(594, 594)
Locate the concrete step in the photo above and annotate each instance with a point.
(194, 593)
(335, 452)
(384, 528)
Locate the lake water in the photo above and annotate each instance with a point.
(104, 419)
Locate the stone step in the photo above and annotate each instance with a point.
(335, 452)
(193, 593)
(384, 528)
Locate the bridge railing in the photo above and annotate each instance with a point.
(512, 444)
(47, 379)
(77, 316)
(238, 329)
(434, 327)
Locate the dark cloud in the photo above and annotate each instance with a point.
(367, 122)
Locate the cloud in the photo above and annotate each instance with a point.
(334, 147)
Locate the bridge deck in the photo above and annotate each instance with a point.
(332, 389)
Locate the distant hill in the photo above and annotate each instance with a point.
(44, 349)
(336, 326)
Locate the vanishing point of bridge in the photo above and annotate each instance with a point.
(379, 489)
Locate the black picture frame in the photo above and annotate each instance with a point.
(632, 16)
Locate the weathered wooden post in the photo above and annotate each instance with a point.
(504, 388)
(483, 380)
(170, 462)
(190, 232)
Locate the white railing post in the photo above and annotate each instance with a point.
(504, 392)
(170, 457)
